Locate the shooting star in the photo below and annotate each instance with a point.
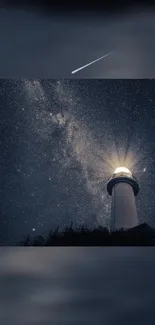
(90, 63)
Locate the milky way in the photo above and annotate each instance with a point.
(60, 142)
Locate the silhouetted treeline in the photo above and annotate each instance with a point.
(142, 235)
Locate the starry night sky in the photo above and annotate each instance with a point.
(61, 140)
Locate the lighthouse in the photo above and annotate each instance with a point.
(123, 188)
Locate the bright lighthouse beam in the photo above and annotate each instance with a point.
(122, 170)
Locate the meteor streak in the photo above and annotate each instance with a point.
(74, 71)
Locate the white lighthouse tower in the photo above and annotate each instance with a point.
(123, 187)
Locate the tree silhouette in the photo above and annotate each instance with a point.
(142, 235)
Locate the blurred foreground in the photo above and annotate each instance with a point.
(60, 285)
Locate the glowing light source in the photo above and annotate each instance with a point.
(122, 170)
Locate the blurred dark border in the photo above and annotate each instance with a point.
(49, 6)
